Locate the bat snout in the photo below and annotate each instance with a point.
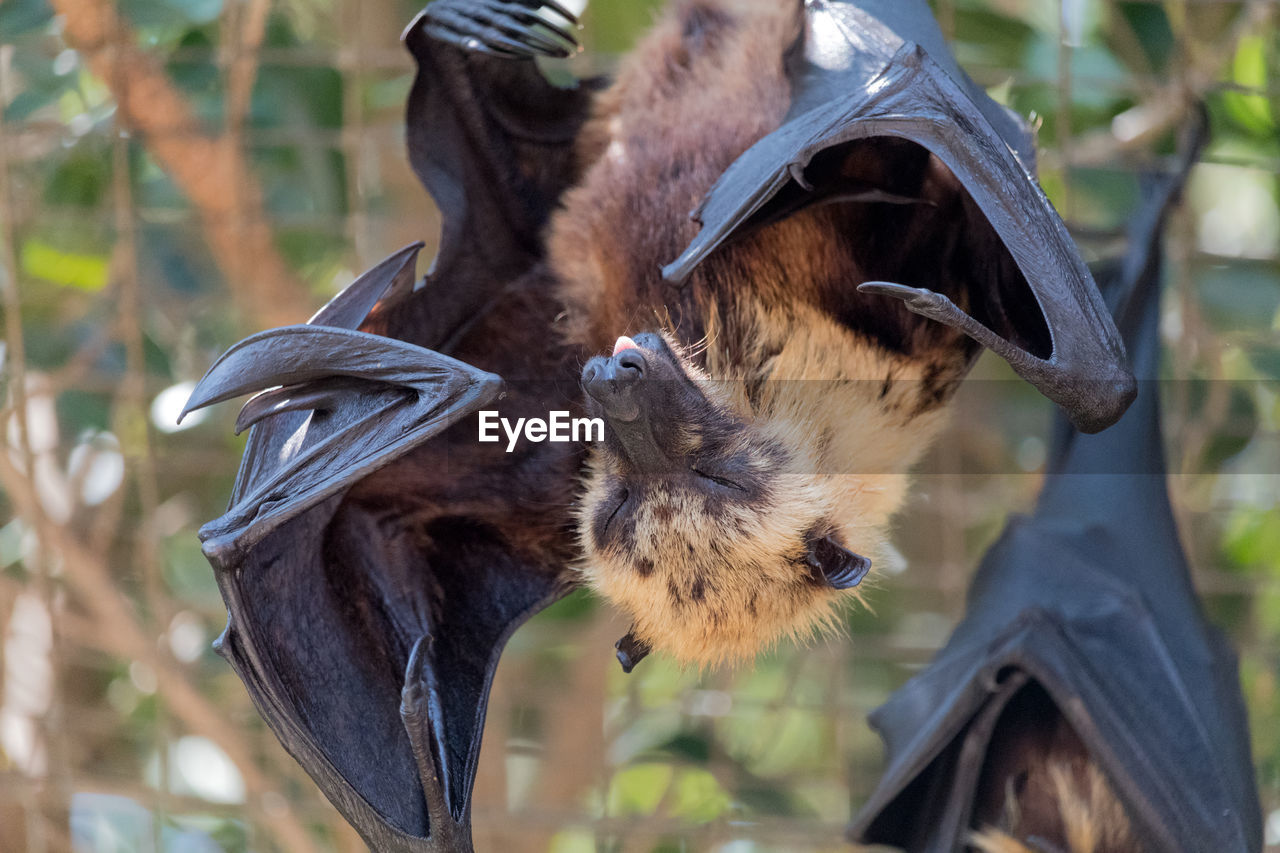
(612, 382)
(618, 383)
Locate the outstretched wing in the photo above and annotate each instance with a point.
(372, 561)
(874, 71)
(1090, 601)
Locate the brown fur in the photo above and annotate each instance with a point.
(837, 394)
(1085, 816)
(1040, 785)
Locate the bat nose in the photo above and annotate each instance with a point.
(629, 364)
(614, 382)
(615, 371)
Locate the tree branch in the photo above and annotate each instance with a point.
(210, 170)
(121, 634)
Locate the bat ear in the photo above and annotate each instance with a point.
(631, 650)
(833, 564)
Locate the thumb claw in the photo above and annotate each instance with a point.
(915, 295)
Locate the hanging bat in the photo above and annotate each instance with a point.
(761, 397)
(1084, 704)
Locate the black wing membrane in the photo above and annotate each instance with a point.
(367, 645)
(875, 69)
(492, 141)
(1091, 601)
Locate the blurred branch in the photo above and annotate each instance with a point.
(120, 632)
(1168, 106)
(211, 170)
(244, 63)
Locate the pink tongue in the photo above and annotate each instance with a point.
(624, 343)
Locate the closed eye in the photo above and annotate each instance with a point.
(720, 481)
(616, 510)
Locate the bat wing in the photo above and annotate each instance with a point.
(874, 69)
(367, 636)
(492, 141)
(1091, 600)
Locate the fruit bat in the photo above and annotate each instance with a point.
(1084, 703)
(376, 556)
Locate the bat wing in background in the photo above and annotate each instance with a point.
(877, 69)
(369, 649)
(1090, 601)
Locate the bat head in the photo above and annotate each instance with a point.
(701, 525)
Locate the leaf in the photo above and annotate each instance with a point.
(171, 13)
(82, 180)
(81, 271)
(1154, 35)
(1249, 70)
(22, 16)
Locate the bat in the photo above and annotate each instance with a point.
(761, 399)
(1084, 704)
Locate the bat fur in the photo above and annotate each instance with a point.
(809, 400)
(1042, 792)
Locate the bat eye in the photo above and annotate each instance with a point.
(719, 481)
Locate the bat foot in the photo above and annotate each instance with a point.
(423, 715)
(507, 29)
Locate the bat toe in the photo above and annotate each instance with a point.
(507, 29)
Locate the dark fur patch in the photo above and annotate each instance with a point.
(699, 590)
(940, 380)
(703, 23)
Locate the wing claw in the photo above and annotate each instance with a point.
(336, 404)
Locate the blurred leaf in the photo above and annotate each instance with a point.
(763, 799)
(188, 574)
(22, 16)
(637, 789)
(72, 269)
(82, 179)
(688, 747)
(1240, 296)
(614, 27)
(198, 75)
(29, 101)
(986, 39)
(1252, 112)
(698, 796)
(170, 13)
(1252, 538)
(1150, 25)
(11, 536)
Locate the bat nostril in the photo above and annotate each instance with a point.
(630, 365)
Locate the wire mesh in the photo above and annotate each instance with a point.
(175, 175)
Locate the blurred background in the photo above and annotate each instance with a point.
(176, 174)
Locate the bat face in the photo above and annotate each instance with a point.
(696, 522)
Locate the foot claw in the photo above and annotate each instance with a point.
(510, 29)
